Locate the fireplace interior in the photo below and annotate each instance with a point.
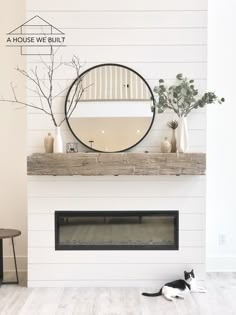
(116, 230)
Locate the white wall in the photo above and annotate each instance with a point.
(12, 138)
(158, 39)
(166, 63)
(221, 151)
(50, 268)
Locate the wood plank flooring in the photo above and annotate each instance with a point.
(19, 300)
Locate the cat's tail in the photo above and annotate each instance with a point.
(152, 294)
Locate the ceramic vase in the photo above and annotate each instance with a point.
(165, 146)
(173, 142)
(48, 143)
(182, 135)
(57, 146)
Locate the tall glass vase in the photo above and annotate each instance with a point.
(182, 135)
(57, 145)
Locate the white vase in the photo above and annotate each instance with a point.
(182, 135)
(57, 145)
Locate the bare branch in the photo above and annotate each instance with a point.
(73, 104)
(44, 87)
(13, 91)
(41, 101)
(60, 92)
(36, 91)
(25, 105)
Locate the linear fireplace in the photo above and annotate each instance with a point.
(116, 230)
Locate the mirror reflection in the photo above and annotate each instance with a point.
(115, 110)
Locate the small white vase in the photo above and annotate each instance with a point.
(182, 135)
(57, 145)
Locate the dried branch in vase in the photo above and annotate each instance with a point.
(44, 87)
(173, 124)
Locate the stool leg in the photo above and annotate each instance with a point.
(17, 278)
(13, 247)
(1, 262)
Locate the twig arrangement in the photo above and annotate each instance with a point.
(44, 87)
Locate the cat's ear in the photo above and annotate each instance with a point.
(192, 273)
(186, 275)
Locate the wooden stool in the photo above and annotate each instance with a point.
(7, 233)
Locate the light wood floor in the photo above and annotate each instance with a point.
(220, 300)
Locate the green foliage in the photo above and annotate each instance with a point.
(173, 124)
(182, 97)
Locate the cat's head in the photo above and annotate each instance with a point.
(189, 276)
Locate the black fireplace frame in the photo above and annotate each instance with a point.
(77, 213)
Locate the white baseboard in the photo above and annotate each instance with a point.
(221, 264)
(8, 263)
(213, 264)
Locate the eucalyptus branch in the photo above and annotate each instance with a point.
(169, 104)
(181, 98)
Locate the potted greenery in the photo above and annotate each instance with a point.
(182, 98)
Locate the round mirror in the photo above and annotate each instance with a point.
(110, 108)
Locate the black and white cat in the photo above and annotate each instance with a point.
(175, 289)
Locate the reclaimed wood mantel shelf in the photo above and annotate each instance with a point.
(98, 164)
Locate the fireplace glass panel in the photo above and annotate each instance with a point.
(117, 230)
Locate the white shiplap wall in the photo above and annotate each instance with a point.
(158, 39)
(47, 267)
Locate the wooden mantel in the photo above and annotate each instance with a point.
(98, 164)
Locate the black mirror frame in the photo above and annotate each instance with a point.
(152, 98)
